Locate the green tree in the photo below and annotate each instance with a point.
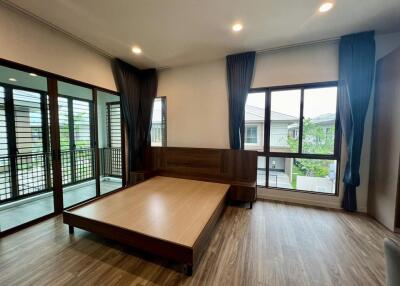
(316, 140)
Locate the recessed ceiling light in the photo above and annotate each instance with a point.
(136, 50)
(237, 27)
(325, 7)
(32, 74)
(12, 79)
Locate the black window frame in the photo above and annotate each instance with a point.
(297, 155)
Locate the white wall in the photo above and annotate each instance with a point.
(26, 41)
(197, 104)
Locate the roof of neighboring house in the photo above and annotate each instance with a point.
(324, 118)
(327, 118)
(254, 113)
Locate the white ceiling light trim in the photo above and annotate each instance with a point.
(136, 50)
(237, 27)
(325, 7)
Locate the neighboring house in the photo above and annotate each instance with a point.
(254, 135)
(283, 126)
(326, 121)
(254, 129)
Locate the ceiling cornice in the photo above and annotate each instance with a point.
(40, 20)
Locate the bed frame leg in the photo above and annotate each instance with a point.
(71, 229)
(188, 269)
(251, 205)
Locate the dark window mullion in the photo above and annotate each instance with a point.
(45, 139)
(164, 121)
(338, 130)
(267, 130)
(301, 122)
(109, 125)
(12, 139)
(71, 138)
(93, 141)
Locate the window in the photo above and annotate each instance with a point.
(302, 150)
(158, 124)
(254, 121)
(251, 135)
(113, 124)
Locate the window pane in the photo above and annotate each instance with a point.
(25, 161)
(285, 114)
(319, 120)
(261, 171)
(78, 161)
(311, 175)
(109, 141)
(158, 123)
(280, 172)
(28, 121)
(254, 122)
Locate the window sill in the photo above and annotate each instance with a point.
(297, 191)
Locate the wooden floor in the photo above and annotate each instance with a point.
(272, 244)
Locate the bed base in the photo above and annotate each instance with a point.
(188, 256)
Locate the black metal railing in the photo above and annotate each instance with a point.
(29, 174)
(77, 166)
(24, 174)
(110, 162)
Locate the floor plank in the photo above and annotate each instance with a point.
(272, 244)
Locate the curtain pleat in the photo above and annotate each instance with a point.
(239, 70)
(356, 70)
(138, 89)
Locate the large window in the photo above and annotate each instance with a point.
(301, 151)
(159, 122)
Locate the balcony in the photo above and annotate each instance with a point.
(26, 182)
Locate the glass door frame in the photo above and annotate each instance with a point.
(53, 129)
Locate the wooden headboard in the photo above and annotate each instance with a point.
(216, 165)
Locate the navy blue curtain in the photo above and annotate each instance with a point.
(138, 89)
(356, 70)
(239, 70)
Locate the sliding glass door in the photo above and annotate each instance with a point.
(109, 123)
(25, 160)
(75, 109)
(61, 144)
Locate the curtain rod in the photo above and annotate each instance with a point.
(311, 43)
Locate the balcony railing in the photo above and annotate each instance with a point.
(30, 174)
(110, 162)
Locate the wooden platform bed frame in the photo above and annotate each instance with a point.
(233, 170)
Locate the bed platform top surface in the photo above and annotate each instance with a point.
(171, 209)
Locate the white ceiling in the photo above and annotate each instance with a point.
(180, 32)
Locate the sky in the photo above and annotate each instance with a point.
(317, 101)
